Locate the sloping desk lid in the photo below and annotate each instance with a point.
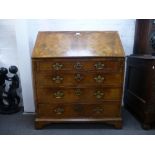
(78, 44)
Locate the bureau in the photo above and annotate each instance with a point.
(78, 77)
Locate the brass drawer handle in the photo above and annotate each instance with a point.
(59, 111)
(98, 110)
(57, 66)
(78, 92)
(99, 79)
(78, 77)
(78, 65)
(59, 94)
(57, 79)
(98, 94)
(99, 65)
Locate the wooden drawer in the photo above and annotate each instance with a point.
(75, 110)
(69, 95)
(101, 64)
(74, 79)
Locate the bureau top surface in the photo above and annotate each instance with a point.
(78, 44)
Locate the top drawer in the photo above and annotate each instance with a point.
(104, 64)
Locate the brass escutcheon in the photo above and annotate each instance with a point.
(99, 65)
(59, 111)
(78, 77)
(57, 79)
(78, 65)
(57, 66)
(59, 94)
(99, 79)
(98, 110)
(78, 92)
(78, 108)
(98, 94)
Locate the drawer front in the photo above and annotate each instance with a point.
(79, 65)
(78, 94)
(65, 79)
(63, 111)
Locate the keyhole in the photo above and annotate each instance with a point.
(77, 34)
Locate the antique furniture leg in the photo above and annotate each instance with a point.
(40, 124)
(118, 125)
(146, 126)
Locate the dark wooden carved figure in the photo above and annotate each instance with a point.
(3, 77)
(9, 101)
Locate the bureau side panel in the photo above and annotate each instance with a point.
(34, 74)
(138, 87)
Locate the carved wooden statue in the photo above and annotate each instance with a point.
(9, 101)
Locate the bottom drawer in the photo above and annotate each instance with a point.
(105, 110)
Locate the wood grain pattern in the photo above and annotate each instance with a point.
(77, 44)
(78, 77)
(76, 110)
(69, 94)
(45, 79)
(87, 64)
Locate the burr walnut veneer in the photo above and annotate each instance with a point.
(78, 77)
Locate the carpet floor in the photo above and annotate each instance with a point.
(23, 124)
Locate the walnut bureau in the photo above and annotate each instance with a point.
(78, 77)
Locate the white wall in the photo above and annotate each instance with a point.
(26, 32)
(24, 59)
(8, 48)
